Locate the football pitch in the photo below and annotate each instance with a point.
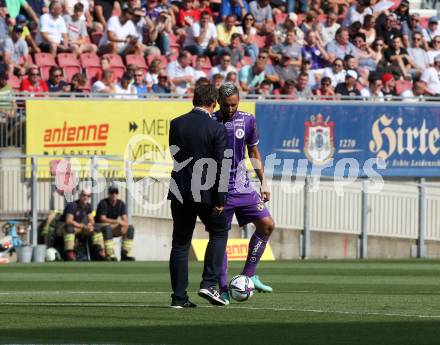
(314, 302)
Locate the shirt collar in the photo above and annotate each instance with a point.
(203, 110)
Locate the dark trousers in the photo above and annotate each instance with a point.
(184, 221)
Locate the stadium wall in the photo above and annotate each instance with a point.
(335, 226)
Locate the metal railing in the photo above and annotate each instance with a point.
(403, 209)
(13, 129)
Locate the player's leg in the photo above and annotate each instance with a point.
(257, 213)
(257, 245)
(184, 221)
(216, 225)
(223, 279)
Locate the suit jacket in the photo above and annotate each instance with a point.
(197, 136)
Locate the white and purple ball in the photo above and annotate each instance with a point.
(241, 288)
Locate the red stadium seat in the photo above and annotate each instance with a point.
(402, 85)
(91, 65)
(70, 64)
(280, 18)
(29, 60)
(44, 60)
(89, 60)
(69, 72)
(14, 82)
(162, 58)
(174, 47)
(136, 60)
(68, 60)
(247, 60)
(93, 73)
(116, 64)
(260, 41)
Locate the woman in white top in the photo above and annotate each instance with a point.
(336, 72)
(248, 32)
(368, 29)
(152, 75)
(125, 89)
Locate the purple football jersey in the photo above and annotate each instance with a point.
(241, 132)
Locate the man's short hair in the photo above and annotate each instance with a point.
(204, 95)
(226, 90)
(79, 7)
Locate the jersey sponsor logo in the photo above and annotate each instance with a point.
(319, 144)
(229, 125)
(239, 133)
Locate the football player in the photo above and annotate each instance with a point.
(243, 201)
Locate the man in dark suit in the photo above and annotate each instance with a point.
(198, 187)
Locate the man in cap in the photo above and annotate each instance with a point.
(77, 221)
(16, 51)
(348, 88)
(431, 77)
(431, 31)
(111, 216)
(389, 86)
(26, 34)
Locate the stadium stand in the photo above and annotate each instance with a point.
(268, 30)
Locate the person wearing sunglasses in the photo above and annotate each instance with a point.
(55, 83)
(325, 90)
(431, 31)
(435, 50)
(33, 83)
(336, 72)
(417, 53)
(410, 28)
(139, 83)
(77, 222)
(111, 216)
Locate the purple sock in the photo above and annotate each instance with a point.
(223, 276)
(257, 244)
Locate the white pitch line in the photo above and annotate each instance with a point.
(30, 293)
(126, 305)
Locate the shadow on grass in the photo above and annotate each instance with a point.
(371, 333)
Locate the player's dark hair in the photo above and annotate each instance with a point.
(204, 95)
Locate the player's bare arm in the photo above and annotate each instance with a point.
(257, 163)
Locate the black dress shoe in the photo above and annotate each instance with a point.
(212, 296)
(181, 305)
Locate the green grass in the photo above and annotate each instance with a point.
(315, 302)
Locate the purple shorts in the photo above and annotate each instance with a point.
(248, 207)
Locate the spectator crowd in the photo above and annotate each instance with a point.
(294, 49)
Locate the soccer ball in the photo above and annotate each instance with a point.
(241, 288)
(52, 255)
